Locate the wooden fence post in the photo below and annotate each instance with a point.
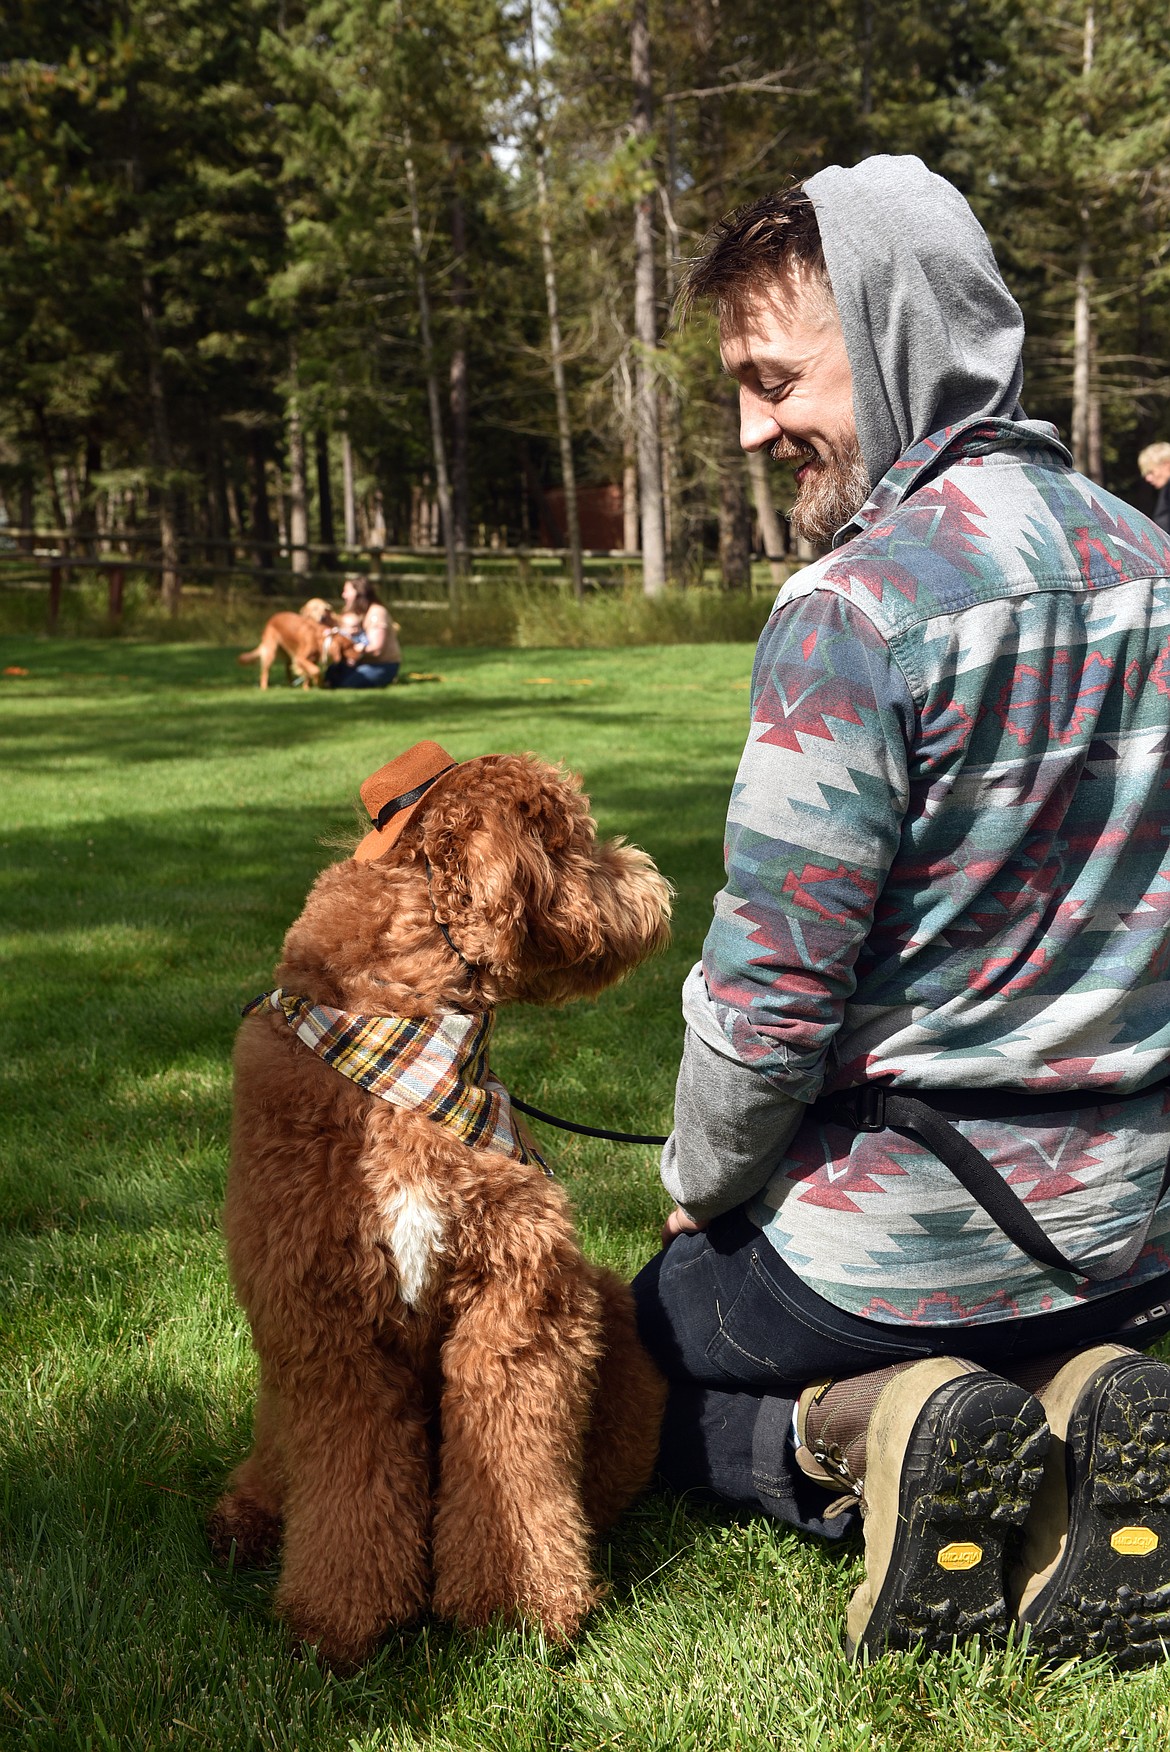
(117, 585)
(54, 597)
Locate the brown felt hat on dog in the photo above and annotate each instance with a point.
(396, 791)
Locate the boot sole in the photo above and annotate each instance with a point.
(1110, 1592)
(973, 1461)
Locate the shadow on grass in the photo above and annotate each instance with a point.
(37, 741)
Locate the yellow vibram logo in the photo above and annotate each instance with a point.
(1134, 1541)
(960, 1556)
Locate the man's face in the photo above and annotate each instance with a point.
(787, 353)
(1158, 474)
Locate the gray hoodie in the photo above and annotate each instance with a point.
(933, 337)
(933, 334)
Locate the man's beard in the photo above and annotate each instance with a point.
(833, 491)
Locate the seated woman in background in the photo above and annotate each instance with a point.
(368, 624)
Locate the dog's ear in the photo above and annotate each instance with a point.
(528, 894)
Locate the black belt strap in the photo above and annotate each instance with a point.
(928, 1115)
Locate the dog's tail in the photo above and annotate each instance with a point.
(250, 656)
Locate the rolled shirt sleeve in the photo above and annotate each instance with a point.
(730, 1128)
(813, 826)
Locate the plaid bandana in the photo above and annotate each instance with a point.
(436, 1066)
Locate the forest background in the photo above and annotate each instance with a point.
(357, 273)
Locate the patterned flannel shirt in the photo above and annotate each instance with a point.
(948, 867)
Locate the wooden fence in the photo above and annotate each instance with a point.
(268, 567)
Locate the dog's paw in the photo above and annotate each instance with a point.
(341, 1643)
(558, 1610)
(239, 1520)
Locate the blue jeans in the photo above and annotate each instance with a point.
(737, 1334)
(361, 674)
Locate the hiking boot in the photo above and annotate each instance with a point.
(832, 1418)
(944, 1458)
(1094, 1576)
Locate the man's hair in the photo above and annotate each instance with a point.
(755, 250)
(1152, 456)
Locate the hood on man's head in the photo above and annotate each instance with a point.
(932, 332)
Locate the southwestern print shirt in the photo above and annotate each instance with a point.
(948, 867)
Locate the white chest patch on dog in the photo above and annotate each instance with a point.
(414, 1234)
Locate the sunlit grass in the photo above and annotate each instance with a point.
(162, 822)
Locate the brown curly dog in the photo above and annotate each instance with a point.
(452, 1397)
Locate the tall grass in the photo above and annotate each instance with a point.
(529, 617)
(513, 615)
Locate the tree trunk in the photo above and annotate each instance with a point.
(349, 503)
(1096, 459)
(298, 494)
(59, 519)
(172, 585)
(325, 533)
(72, 493)
(27, 512)
(668, 428)
(263, 555)
(377, 519)
(735, 532)
(629, 430)
(668, 401)
(1083, 348)
(866, 76)
(281, 496)
(525, 506)
(424, 318)
(218, 510)
(646, 327)
(629, 497)
(735, 522)
(460, 410)
(770, 527)
(87, 519)
(547, 532)
(568, 476)
(1082, 361)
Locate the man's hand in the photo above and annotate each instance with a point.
(678, 1223)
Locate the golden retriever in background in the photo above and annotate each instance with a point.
(453, 1399)
(319, 610)
(306, 644)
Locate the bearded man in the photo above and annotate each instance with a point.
(922, 1121)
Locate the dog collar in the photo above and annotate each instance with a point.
(433, 1065)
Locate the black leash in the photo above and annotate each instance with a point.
(585, 1131)
(588, 1131)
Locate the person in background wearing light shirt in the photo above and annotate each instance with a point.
(1154, 465)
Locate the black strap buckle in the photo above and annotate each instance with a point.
(869, 1104)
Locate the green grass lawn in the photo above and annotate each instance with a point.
(162, 821)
